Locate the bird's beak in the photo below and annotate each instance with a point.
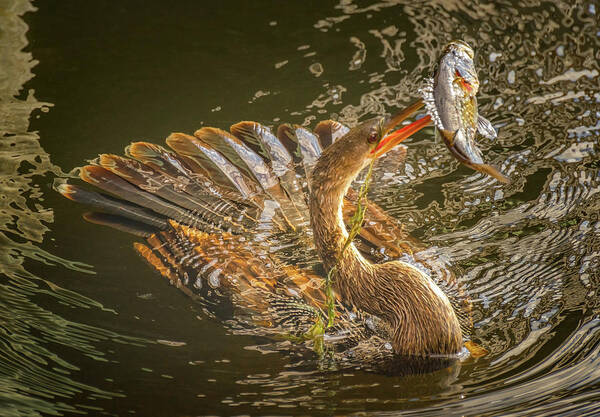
(390, 140)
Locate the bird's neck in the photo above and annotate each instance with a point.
(329, 186)
(419, 314)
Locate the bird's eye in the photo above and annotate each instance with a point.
(373, 137)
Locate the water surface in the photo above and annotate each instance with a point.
(89, 328)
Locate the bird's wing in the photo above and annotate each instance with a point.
(239, 181)
(248, 183)
(219, 209)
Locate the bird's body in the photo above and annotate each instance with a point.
(209, 234)
(220, 210)
(417, 311)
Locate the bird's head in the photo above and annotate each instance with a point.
(374, 137)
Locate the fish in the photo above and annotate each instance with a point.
(450, 98)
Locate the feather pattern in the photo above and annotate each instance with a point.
(209, 208)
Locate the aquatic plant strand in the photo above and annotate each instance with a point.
(330, 303)
(317, 331)
(355, 225)
(359, 214)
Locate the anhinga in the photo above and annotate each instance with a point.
(208, 206)
(419, 314)
(200, 222)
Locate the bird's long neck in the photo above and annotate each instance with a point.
(331, 178)
(420, 316)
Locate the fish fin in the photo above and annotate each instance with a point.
(493, 172)
(485, 128)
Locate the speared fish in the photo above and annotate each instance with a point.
(450, 100)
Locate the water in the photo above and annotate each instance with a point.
(89, 328)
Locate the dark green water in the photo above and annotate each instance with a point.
(87, 327)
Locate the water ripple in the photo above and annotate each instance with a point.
(527, 254)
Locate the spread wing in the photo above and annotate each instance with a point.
(217, 211)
